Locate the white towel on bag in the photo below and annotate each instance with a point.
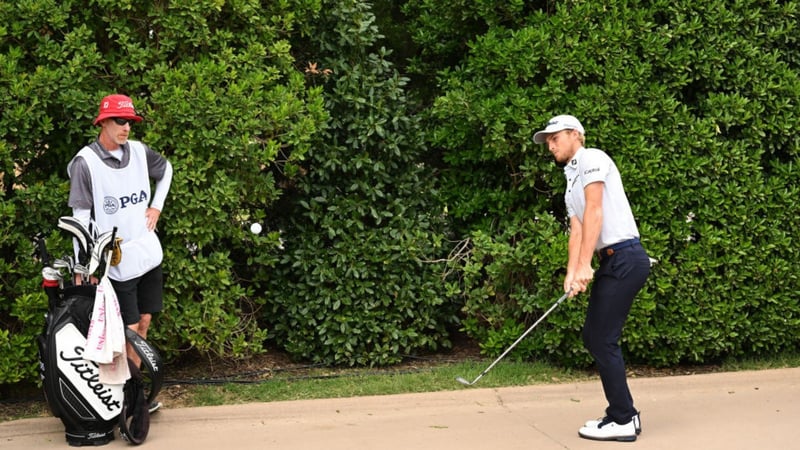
(105, 341)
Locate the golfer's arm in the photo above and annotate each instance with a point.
(592, 223)
(574, 245)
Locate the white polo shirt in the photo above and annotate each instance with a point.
(591, 165)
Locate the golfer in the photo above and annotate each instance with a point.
(602, 224)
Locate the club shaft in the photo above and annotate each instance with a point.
(511, 347)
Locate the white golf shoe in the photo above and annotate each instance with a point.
(608, 430)
(637, 422)
(155, 406)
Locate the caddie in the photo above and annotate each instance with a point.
(110, 186)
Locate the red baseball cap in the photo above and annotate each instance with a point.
(116, 105)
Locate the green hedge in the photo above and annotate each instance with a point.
(696, 103)
(357, 284)
(293, 114)
(222, 98)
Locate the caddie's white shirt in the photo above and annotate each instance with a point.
(591, 165)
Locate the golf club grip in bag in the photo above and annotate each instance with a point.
(88, 409)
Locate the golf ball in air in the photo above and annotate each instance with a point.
(255, 228)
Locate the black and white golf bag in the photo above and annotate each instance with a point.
(89, 409)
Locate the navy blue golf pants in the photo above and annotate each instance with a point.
(617, 281)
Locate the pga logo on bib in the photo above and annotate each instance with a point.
(111, 205)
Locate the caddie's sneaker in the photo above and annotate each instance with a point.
(637, 422)
(155, 406)
(608, 430)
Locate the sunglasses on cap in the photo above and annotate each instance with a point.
(121, 122)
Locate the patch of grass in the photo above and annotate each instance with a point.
(763, 362)
(338, 383)
(324, 383)
(316, 383)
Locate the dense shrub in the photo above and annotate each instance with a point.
(222, 99)
(356, 284)
(292, 114)
(696, 103)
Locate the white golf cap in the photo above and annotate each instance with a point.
(556, 124)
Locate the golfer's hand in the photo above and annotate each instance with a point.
(580, 281)
(151, 216)
(570, 286)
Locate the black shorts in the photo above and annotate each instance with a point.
(143, 295)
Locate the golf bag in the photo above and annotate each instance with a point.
(89, 409)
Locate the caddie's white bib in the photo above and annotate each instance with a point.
(121, 198)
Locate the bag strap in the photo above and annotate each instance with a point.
(134, 420)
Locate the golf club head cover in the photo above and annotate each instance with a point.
(100, 251)
(79, 232)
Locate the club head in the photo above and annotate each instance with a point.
(463, 381)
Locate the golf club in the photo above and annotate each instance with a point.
(558, 302)
(65, 263)
(83, 271)
(52, 274)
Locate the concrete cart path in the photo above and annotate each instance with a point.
(741, 410)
